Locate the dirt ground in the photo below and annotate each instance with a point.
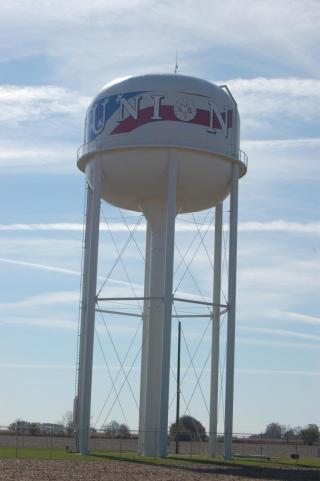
(52, 470)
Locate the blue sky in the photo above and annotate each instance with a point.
(54, 57)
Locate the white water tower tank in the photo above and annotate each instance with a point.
(133, 124)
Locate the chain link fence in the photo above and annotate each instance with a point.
(244, 444)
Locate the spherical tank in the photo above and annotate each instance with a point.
(136, 125)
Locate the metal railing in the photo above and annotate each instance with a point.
(242, 156)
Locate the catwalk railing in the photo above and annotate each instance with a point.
(17, 443)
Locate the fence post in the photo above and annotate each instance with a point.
(51, 442)
(17, 440)
(155, 442)
(120, 446)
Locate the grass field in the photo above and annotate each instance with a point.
(61, 454)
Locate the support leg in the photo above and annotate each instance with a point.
(87, 335)
(156, 218)
(161, 216)
(83, 312)
(228, 425)
(144, 352)
(213, 425)
(167, 310)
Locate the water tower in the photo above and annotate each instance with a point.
(160, 145)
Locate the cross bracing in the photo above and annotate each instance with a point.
(131, 306)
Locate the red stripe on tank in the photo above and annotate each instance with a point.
(167, 114)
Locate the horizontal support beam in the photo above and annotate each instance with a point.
(127, 298)
(131, 314)
(191, 316)
(204, 303)
(176, 316)
(179, 299)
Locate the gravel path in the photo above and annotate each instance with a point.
(52, 470)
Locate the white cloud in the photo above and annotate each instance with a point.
(285, 161)
(72, 12)
(44, 299)
(59, 226)
(282, 144)
(44, 322)
(63, 270)
(278, 332)
(58, 159)
(44, 267)
(281, 226)
(65, 226)
(253, 226)
(248, 341)
(300, 274)
(68, 324)
(282, 372)
(8, 365)
(80, 36)
(296, 316)
(276, 106)
(27, 104)
(35, 155)
(279, 344)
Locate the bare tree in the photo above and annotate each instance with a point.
(116, 430)
(67, 421)
(275, 430)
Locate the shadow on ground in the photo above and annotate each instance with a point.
(236, 470)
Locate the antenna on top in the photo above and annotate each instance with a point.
(176, 68)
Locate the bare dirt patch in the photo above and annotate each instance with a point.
(54, 470)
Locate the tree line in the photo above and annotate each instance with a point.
(309, 434)
(188, 429)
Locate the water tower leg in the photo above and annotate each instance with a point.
(87, 335)
(85, 272)
(161, 217)
(144, 352)
(156, 218)
(215, 332)
(167, 308)
(228, 424)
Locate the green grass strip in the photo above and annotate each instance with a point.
(102, 456)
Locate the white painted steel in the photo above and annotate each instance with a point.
(156, 216)
(232, 283)
(213, 421)
(167, 308)
(84, 293)
(144, 351)
(161, 219)
(86, 354)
